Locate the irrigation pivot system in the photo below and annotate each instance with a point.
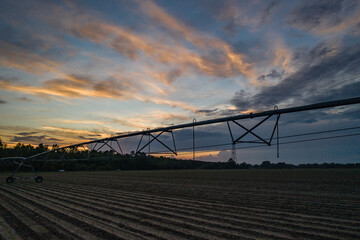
(154, 134)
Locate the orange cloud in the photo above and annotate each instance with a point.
(233, 62)
(76, 87)
(162, 50)
(189, 155)
(46, 134)
(350, 23)
(153, 119)
(12, 56)
(208, 56)
(283, 58)
(82, 121)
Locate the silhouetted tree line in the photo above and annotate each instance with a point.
(76, 159)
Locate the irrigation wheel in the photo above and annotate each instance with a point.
(10, 180)
(38, 179)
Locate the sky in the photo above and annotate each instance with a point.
(75, 70)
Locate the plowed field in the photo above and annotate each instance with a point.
(204, 204)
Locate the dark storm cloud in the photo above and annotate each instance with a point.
(9, 79)
(32, 138)
(347, 91)
(53, 139)
(313, 13)
(269, 10)
(325, 16)
(261, 78)
(25, 99)
(27, 41)
(206, 111)
(94, 135)
(112, 87)
(320, 50)
(26, 133)
(242, 100)
(3, 101)
(87, 138)
(333, 78)
(23, 37)
(273, 75)
(305, 56)
(237, 14)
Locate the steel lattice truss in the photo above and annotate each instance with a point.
(154, 134)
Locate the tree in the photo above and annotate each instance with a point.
(231, 163)
(265, 164)
(2, 144)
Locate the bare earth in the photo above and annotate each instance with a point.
(194, 204)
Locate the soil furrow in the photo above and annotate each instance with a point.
(55, 230)
(96, 215)
(221, 224)
(73, 230)
(16, 222)
(6, 231)
(191, 204)
(229, 208)
(206, 231)
(66, 214)
(248, 222)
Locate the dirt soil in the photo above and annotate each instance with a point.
(191, 204)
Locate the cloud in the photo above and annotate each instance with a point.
(326, 16)
(82, 121)
(273, 75)
(168, 58)
(213, 57)
(75, 86)
(206, 111)
(34, 139)
(26, 133)
(25, 99)
(176, 50)
(265, 15)
(168, 77)
(335, 77)
(239, 14)
(133, 45)
(153, 119)
(304, 56)
(50, 134)
(3, 101)
(40, 41)
(87, 138)
(283, 57)
(12, 56)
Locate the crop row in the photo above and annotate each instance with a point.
(319, 201)
(76, 211)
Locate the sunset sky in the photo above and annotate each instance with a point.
(73, 71)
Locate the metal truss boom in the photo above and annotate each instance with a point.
(27, 161)
(266, 114)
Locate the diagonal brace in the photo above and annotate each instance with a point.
(164, 145)
(275, 127)
(156, 138)
(251, 130)
(119, 147)
(112, 148)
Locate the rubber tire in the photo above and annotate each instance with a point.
(10, 180)
(38, 179)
